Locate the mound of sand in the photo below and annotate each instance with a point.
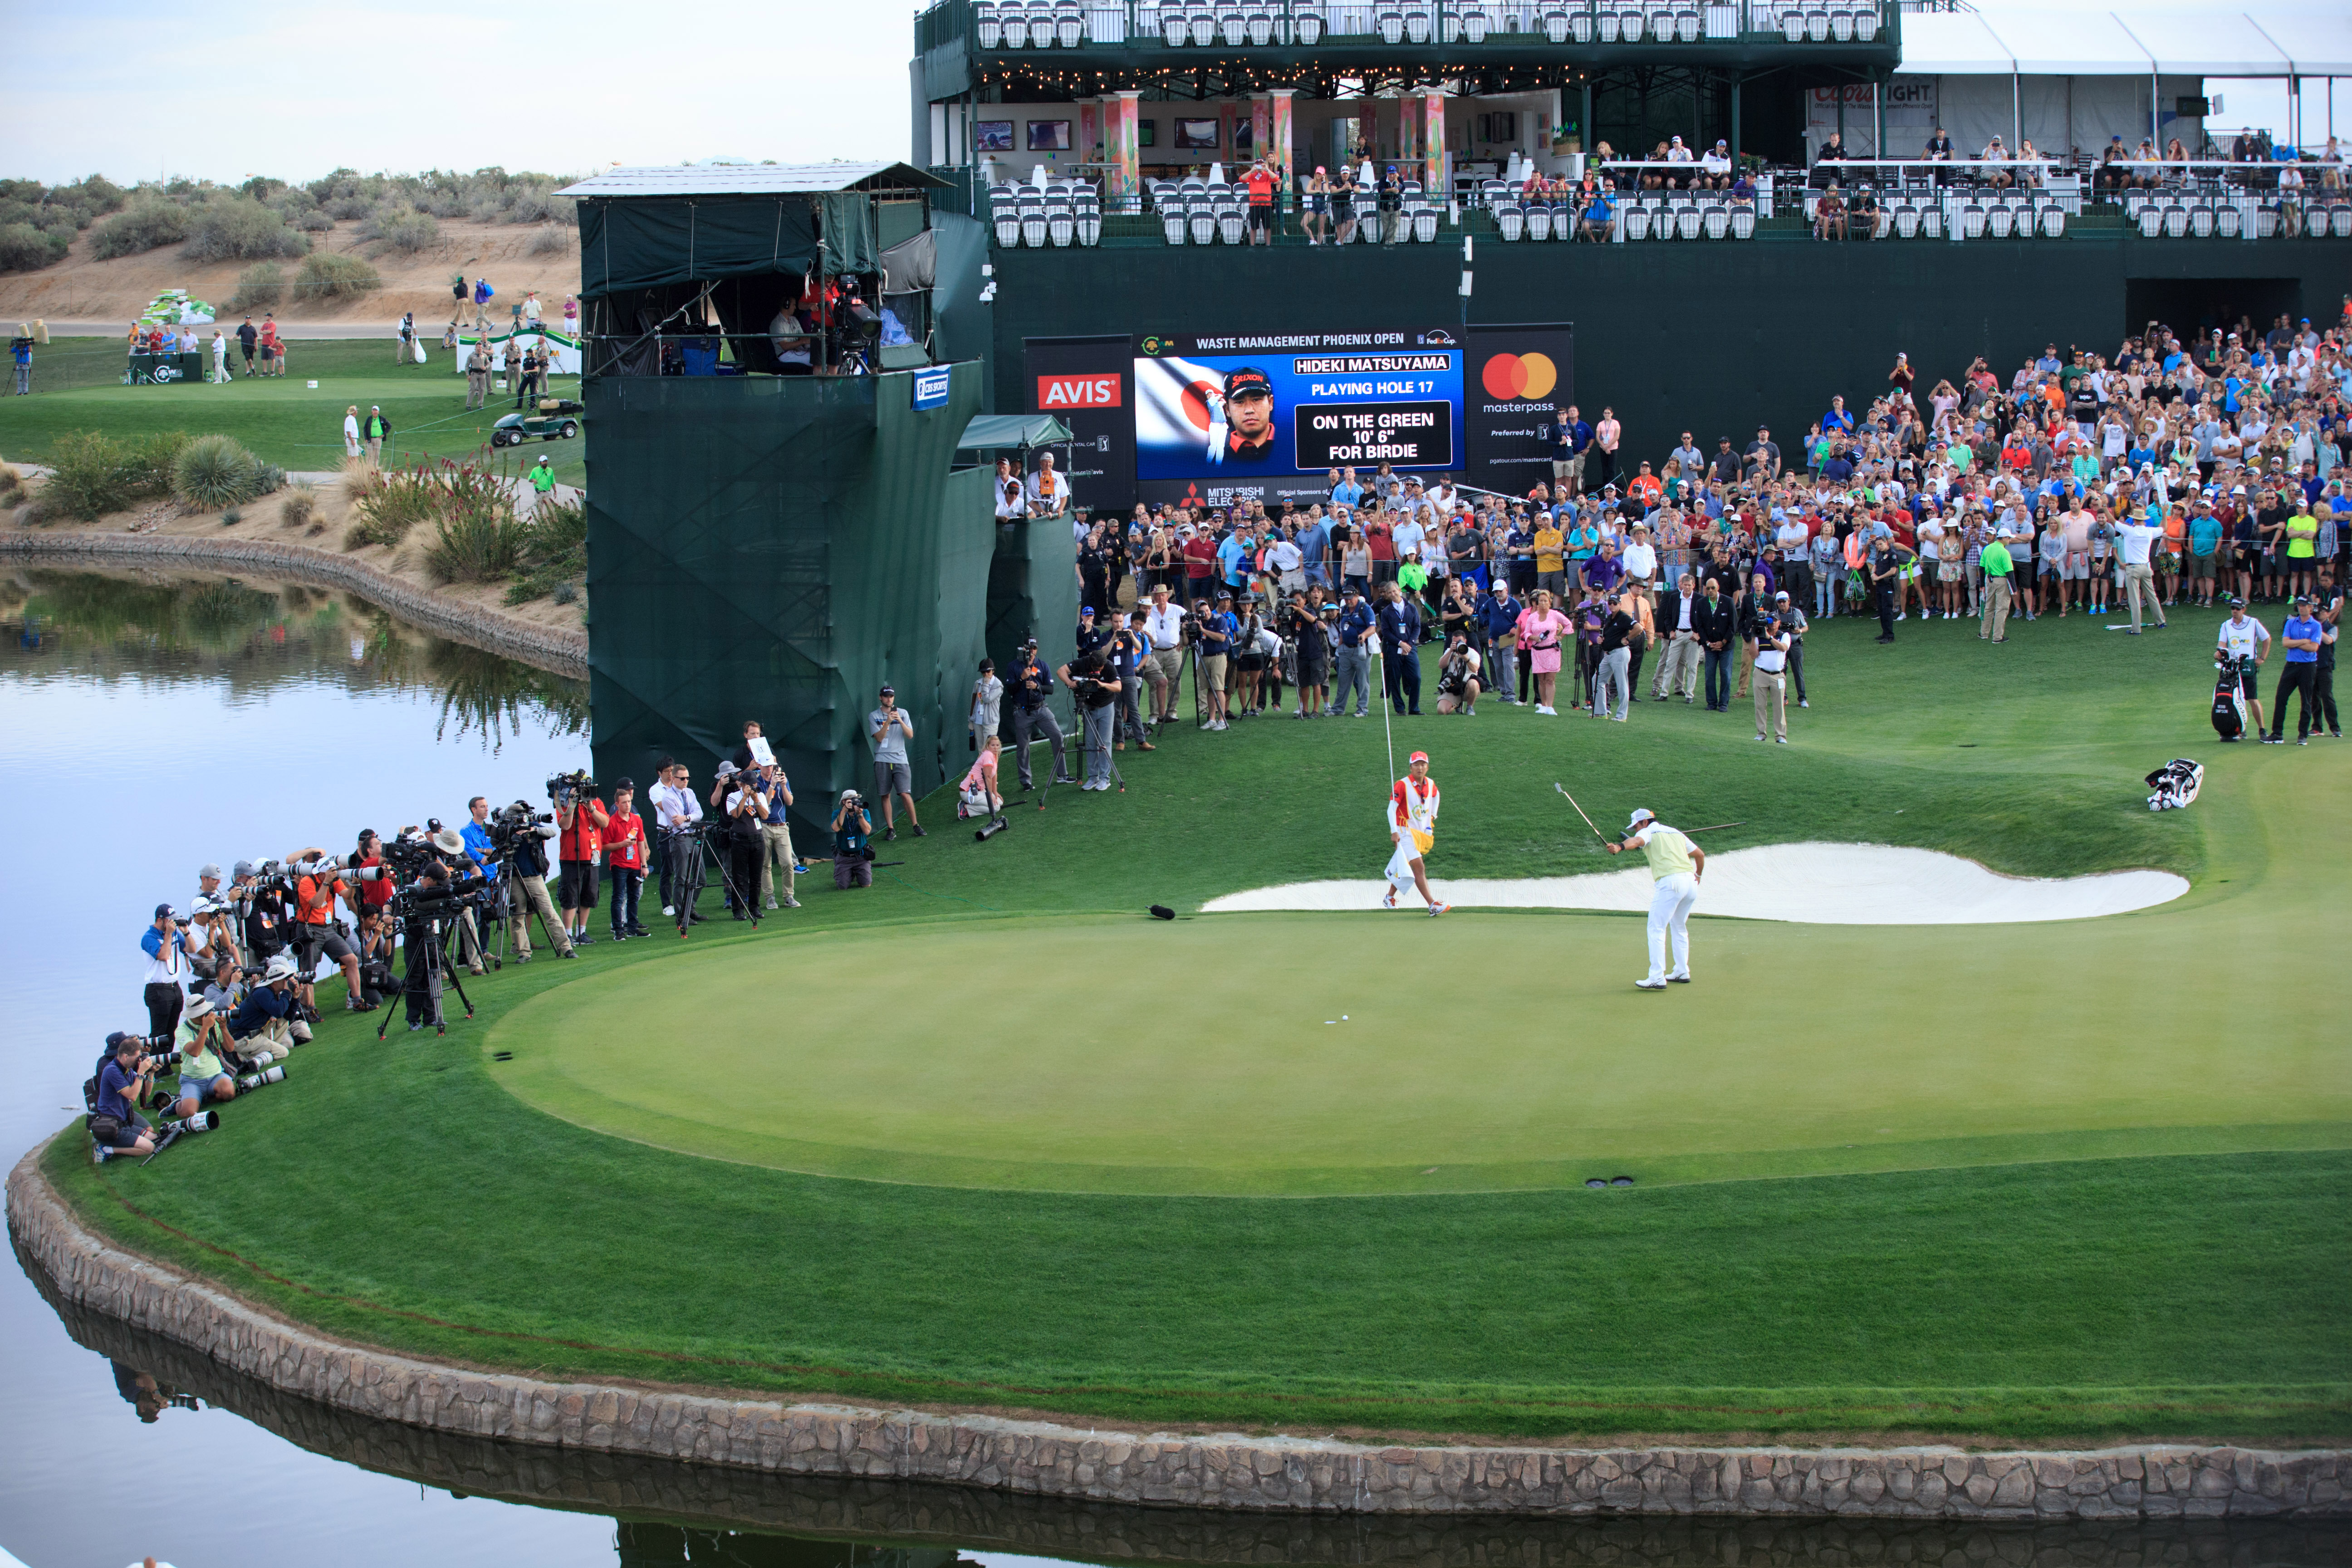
(1811, 884)
(81, 290)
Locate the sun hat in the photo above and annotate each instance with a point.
(198, 1006)
(448, 843)
(280, 968)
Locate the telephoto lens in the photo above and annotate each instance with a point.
(202, 1121)
(267, 1074)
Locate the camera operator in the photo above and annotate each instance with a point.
(745, 807)
(366, 897)
(625, 853)
(268, 1012)
(427, 897)
(169, 967)
(853, 855)
(1097, 687)
(580, 822)
(676, 814)
(265, 916)
(316, 882)
(1033, 712)
(123, 1079)
(526, 875)
(199, 1040)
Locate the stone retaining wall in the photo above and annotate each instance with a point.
(1220, 1472)
(565, 653)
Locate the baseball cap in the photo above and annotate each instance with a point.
(1417, 757)
(1248, 378)
(208, 869)
(165, 911)
(242, 870)
(115, 1041)
(1085, 609)
(1781, 598)
(886, 691)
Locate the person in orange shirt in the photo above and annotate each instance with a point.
(2172, 552)
(1645, 488)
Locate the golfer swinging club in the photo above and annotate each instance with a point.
(1412, 828)
(1676, 864)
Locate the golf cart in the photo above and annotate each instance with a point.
(553, 419)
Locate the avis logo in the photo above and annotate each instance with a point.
(1079, 391)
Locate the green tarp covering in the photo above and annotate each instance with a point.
(850, 244)
(647, 243)
(777, 549)
(1004, 432)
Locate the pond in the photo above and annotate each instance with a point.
(156, 721)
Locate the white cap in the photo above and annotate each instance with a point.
(280, 968)
(1641, 816)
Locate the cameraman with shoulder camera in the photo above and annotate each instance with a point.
(431, 862)
(316, 882)
(581, 820)
(123, 1079)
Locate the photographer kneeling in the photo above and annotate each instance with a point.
(267, 1012)
(115, 1124)
(203, 1077)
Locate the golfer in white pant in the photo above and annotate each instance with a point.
(1676, 864)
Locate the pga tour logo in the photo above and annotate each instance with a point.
(1078, 390)
(931, 386)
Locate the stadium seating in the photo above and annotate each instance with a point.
(1059, 213)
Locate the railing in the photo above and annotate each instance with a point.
(996, 27)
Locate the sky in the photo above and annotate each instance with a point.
(226, 89)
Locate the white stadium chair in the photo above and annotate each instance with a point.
(1004, 212)
(1792, 25)
(1999, 220)
(2176, 220)
(1069, 26)
(1424, 224)
(1538, 222)
(1630, 24)
(1202, 220)
(1635, 218)
(1513, 223)
(1016, 29)
(1931, 221)
(1234, 27)
(1842, 24)
(1906, 221)
(1261, 29)
(2266, 223)
(2314, 221)
(1174, 29)
(1865, 23)
(1307, 22)
(1972, 221)
(1032, 220)
(1089, 217)
(1719, 220)
(988, 25)
(1475, 25)
(2228, 221)
(1609, 26)
(2053, 221)
(1416, 25)
(1817, 25)
(1389, 24)
(1203, 29)
(1743, 223)
(2339, 221)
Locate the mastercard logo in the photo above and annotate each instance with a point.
(1509, 376)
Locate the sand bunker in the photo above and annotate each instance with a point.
(1812, 884)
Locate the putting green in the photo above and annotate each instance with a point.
(1346, 1053)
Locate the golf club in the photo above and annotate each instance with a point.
(1580, 811)
(1717, 829)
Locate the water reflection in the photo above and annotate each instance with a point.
(258, 636)
(669, 1513)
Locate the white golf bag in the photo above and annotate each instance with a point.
(2175, 784)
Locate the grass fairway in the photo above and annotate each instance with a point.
(2099, 1185)
(76, 386)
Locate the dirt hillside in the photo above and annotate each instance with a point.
(80, 289)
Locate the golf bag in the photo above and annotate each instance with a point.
(2176, 785)
(2229, 701)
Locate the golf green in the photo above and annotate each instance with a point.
(1325, 1053)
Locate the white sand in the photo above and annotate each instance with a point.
(1811, 884)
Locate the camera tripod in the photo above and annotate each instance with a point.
(423, 939)
(691, 880)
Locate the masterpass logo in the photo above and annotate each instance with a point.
(1078, 390)
(1509, 376)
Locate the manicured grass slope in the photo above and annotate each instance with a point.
(2197, 1294)
(76, 387)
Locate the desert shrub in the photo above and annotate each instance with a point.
(262, 188)
(92, 474)
(258, 287)
(349, 208)
(231, 517)
(24, 249)
(300, 505)
(217, 470)
(386, 506)
(12, 486)
(479, 538)
(236, 229)
(554, 550)
(312, 222)
(404, 229)
(550, 240)
(147, 227)
(565, 593)
(324, 276)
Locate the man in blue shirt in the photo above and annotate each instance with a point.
(2300, 636)
(1837, 421)
(1498, 620)
(1231, 553)
(121, 1084)
(1314, 543)
(1350, 659)
(1345, 491)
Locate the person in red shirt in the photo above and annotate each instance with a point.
(1200, 566)
(1381, 545)
(580, 821)
(623, 838)
(1260, 181)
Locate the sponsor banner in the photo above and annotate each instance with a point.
(546, 340)
(1085, 384)
(1519, 378)
(931, 387)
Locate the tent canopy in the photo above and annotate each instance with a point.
(1002, 432)
(2005, 40)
